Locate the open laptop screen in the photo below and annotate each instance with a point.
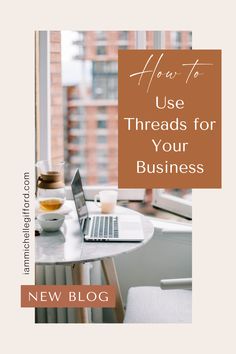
(79, 198)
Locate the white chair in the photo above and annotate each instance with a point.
(170, 303)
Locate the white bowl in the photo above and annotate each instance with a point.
(51, 221)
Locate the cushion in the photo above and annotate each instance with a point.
(154, 305)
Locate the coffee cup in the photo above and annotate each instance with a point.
(108, 200)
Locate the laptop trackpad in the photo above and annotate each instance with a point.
(130, 226)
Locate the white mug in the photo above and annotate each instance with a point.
(108, 200)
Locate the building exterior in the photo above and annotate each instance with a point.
(91, 107)
(57, 131)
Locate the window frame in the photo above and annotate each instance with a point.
(44, 123)
(43, 99)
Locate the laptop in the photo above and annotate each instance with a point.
(101, 227)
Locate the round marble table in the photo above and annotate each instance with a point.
(67, 246)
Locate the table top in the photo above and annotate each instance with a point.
(67, 246)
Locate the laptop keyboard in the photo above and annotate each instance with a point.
(104, 227)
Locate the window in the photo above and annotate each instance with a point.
(101, 124)
(189, 43)
(176, 37)
(101, 67)
(124, 47)
(102, 155)
(76, 124)
(88, 106)
(102, 166)
(101, 35)
(123, 35)
(113, 87)
(77, 139)
(105, 87)
(101, 50)
(105, 79)
(101, 118)
(102, 139)
(102, 112)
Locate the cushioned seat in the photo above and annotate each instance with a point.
(154, 305)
